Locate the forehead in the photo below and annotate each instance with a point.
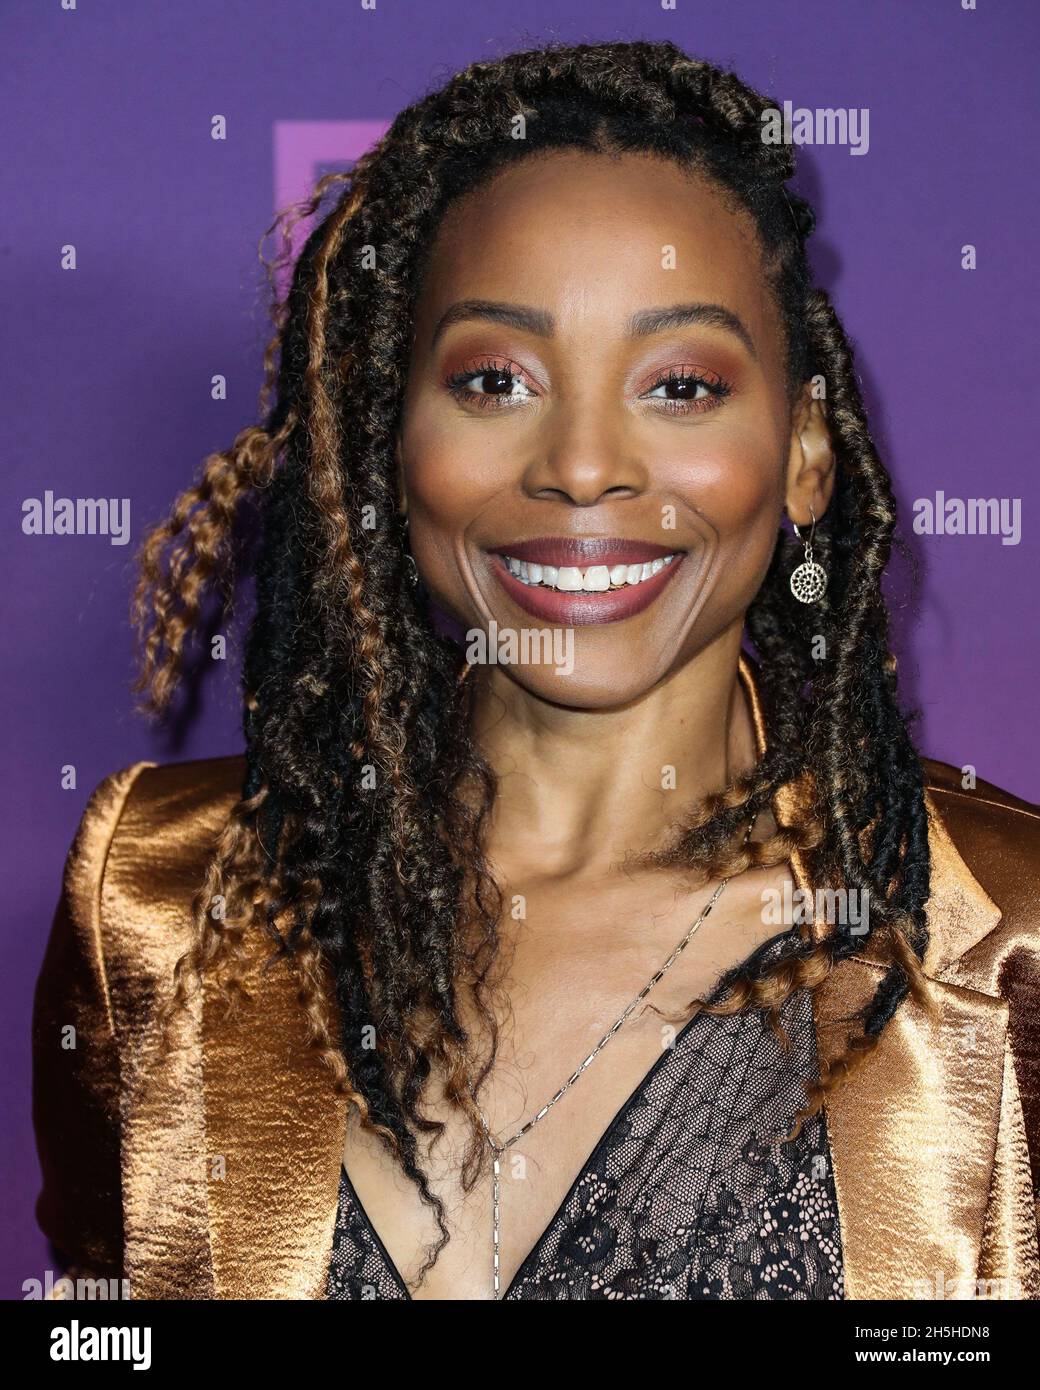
(596, 237)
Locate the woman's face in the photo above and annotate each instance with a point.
(596, 434)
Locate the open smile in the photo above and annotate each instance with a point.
(579, 582)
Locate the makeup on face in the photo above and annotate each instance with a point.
(592, 439)
(491, 362)
(564, 579)
(496, 382)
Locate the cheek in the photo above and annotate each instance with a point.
(734, 477)
(451, 476)
(437, 466)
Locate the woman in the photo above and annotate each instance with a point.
(546, 944)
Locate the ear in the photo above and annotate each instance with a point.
(810, 464)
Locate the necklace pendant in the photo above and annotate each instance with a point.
(498, 1149)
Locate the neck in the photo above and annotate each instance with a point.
(580, 789)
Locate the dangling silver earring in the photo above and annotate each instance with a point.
(412, 569)
(809, 581)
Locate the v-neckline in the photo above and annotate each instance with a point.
(658, 1063)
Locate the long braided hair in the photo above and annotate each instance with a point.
(357, 844)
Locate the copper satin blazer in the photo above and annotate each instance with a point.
(935, 1141)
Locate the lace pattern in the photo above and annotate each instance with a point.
(689, 1194)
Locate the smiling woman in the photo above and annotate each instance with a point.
(643, 381)
(511, 1015)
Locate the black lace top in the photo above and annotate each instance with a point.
(689, 1194)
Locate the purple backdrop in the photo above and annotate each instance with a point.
(108, 110)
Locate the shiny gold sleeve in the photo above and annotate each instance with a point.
(1011, 1240)
(1021, 983)
(1008, 1264)
(75, 1081)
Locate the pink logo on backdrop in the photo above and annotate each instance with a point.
(304, 151)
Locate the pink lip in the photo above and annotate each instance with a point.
(584, 609)
(582, 551)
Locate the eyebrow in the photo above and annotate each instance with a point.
(640, 325)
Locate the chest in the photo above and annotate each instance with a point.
(571, 963)
(692, 1192)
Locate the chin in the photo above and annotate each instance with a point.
(590, 682)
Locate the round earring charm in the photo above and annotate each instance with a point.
(809, 581)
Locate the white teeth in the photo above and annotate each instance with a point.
(595, 579)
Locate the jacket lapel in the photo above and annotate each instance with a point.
(912, 1132)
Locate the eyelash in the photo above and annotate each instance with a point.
(717, 388)
(456, 384)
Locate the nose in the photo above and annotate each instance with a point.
(583, 456)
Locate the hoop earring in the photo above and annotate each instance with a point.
(809, 581)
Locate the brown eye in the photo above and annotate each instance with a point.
(490, 384)
(689, 391)
(680, 388)
(496, 383)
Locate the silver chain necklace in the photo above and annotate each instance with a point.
(498, 1149)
